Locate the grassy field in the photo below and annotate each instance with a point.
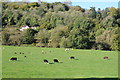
(90, 63)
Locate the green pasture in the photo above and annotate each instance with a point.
(88, 63)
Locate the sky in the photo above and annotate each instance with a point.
(88, 3)
(101, 5)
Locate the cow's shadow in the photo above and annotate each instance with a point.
(51, 63)
(76, 59)
(57, 62)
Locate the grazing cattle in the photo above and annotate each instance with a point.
(72, 57)
(25, 56)
(72, 49)
(105, 57)
(56, 60)
(43, 52)
(13, 59)
(67, 49)
(46, 61)
(15, 53)
(22, 53)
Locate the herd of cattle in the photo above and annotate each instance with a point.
(45, 60)
(54, 60)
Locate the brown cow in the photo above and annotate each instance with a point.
(105, 57)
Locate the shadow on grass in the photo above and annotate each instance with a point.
(76, 59)
(51, 63)
(55, 62)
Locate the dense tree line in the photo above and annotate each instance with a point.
(60, 25)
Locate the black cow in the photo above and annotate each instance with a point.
(15, 53)
(13, 58)
(46, 61)
(72, 57)
(25, 56)
(56, 60)
(20, 53)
